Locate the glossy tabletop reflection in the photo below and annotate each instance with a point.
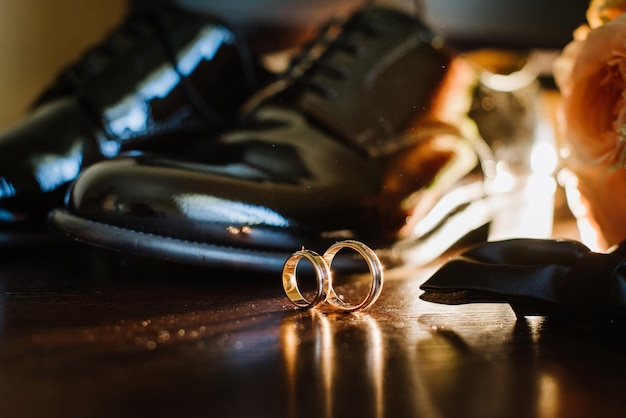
(85, 334)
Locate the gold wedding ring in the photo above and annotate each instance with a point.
(325, 290)
(376, 273)
(290, 281)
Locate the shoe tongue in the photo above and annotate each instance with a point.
(384, 82)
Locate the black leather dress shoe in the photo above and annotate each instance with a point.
(163, 75)
(367, 138)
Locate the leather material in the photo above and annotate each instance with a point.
(559, 278)
(162, 75)
(359, 141)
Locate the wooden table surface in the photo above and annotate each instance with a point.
(83, 337)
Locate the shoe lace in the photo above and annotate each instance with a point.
(95, 60)
(316, 56)
(136, 28)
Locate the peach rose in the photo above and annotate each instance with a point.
(591, 76)
(603, 11)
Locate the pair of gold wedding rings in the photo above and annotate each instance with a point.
(324, 291)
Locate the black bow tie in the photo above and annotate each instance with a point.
(560, 278)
